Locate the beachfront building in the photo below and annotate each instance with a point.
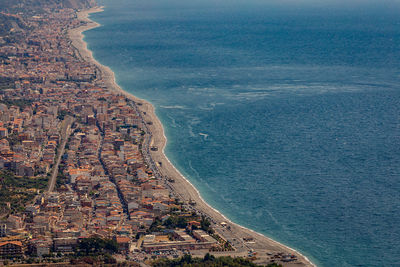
(182, 241)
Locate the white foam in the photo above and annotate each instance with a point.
(173, 107)
(197, 192)
(204, 135)
(222, 215)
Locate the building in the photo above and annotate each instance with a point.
(182, 241)
(41, 247)
(124, 243)
(3, 230)
(3, 132)
(65, 244)
(11, 248)
(203, 236)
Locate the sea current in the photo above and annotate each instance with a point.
(284, 114)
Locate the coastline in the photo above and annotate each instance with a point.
(181, 186)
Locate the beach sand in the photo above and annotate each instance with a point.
(181, 186)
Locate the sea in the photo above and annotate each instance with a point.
(285, 115)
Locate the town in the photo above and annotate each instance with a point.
(74, 158)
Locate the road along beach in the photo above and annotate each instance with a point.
(243, 239)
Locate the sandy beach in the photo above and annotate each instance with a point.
(264, 246)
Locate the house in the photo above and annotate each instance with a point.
(40, 247)
(65, 244)
(74, 173)
(3, 230)
(3, 132)
(124, 243)
(11, 248)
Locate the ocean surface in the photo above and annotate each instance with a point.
(284, 114)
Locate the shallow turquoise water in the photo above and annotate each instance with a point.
(285, 117)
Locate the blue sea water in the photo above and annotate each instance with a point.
(284, 114)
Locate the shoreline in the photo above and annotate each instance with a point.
(181, 185)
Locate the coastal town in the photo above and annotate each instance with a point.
(80, 163)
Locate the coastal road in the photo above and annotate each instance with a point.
(64, 132)
(147, 144)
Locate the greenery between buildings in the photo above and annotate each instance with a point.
(21, 103)
(95, 246)
(17, 192)
(207, 261)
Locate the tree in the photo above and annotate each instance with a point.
(175, 221)
(207, 261)
(208, 257)
(205, 224)
(187, 258)
(96, 246)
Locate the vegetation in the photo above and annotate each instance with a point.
(96, 246)
(13, 140)
(6, 82)
(21, 103)
(94, 251)
(61, 179)
(207, 261)
(17, 192)
(8, 22)
(205, 225)
(36, 6)
(94, 260)
(224, 245)
(175, 222)
(62, 113)
(156, 225)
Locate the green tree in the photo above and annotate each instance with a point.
(96, 246)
